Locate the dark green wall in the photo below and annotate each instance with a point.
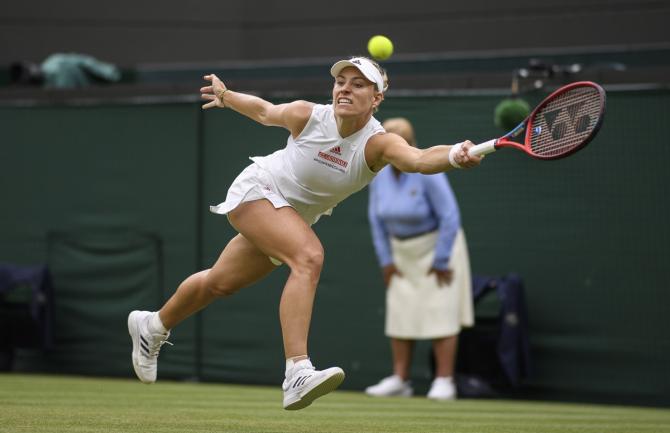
(114, 198)
(97, 173)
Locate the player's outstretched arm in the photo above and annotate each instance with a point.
(393, 149)
(292, 116)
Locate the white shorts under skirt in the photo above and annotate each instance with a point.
(417, 307)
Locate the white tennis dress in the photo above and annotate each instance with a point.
(313, 173)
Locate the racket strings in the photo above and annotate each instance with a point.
(565, 122)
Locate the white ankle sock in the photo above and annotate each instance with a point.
(291, 364)
(156, 325)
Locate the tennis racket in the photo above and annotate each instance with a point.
(565, 122)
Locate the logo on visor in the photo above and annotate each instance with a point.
(358, 62)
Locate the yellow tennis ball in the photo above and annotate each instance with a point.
(380, 47)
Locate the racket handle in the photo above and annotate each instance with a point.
(483, 148)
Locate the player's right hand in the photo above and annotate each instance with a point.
(466, 160)
(213, 93)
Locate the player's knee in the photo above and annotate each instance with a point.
(309, 261)
(220, 288)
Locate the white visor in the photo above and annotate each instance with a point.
(364, 65)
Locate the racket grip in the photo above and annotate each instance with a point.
(483, 148)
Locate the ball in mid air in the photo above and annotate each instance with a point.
(380, 47)
(510, 112)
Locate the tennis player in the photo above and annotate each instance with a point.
(332, 151)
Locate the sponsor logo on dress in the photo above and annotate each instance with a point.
(336, 150)
(333, 159)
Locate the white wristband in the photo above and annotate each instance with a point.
(452, 154)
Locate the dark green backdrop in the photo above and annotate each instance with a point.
(114, 199)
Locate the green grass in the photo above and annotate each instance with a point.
(35, 404)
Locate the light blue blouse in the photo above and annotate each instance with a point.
(412, 204)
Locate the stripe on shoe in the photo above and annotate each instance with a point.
(301, 381)
(144, 345)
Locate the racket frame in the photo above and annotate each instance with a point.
(504, 141)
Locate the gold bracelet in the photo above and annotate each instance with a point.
(220, 96)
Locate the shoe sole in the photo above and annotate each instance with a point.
(134, 336)
(319, 390)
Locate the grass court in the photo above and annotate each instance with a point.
(39, 403)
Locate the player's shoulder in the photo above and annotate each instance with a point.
(383, 139)
(380, 140)
(301, 108)
(296, 114)
(377, 146)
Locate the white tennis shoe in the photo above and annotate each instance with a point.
(443, 388)
(392, 386)
(304, 384)
(146, 345)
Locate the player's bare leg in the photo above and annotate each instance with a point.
(290, 239)
(239, 265)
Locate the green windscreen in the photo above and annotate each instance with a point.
(588, 235)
